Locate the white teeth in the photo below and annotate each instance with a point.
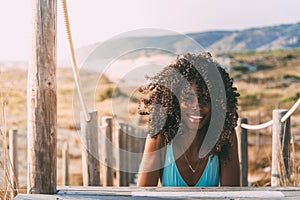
(195, 116)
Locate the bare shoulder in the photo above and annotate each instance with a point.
(153, 143)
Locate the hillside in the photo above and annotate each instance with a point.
(254, 39)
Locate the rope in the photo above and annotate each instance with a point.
(290, 112)
(103, 126)
(74, 64)
(269, 123)
(256, 127)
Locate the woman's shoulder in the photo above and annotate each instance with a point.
(154, 143)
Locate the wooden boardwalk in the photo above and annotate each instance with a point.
(122, 193)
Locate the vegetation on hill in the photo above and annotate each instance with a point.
(276, 78)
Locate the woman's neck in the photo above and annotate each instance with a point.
(191, 141)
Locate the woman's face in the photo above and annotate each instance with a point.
(193, 115)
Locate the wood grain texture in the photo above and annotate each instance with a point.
(42, 100)
(280, 149)
(90, 154)
(243, 152)
(122, 193)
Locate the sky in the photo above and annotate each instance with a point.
(99, 20)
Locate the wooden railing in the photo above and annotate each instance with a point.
(119, 148)
(114, 142)
(281, 135)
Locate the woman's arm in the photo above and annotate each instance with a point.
(150, 169)
(230, 171)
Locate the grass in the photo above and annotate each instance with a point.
(290, 173)
(10, 188)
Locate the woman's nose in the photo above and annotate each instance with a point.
(194, 103)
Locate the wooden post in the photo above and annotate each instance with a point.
(121, 163)
(280, 149)
(13, 154)
(65, 164)
(116, 140)
(123, 155)
(135, 145)
(90, 155)
(41, 101)
(243, 151)
(129, 143)
(108, 154)
(258, 134)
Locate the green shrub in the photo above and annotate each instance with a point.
(106, 94)
(288, 57)
(240, 68)
(264, 67)
(289, 76)
(291, 99)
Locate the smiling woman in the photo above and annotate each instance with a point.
(179, 104)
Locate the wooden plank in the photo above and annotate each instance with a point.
(280, 149)
(243, 152)
(108, 152)
(122, 164)
(65, 164)
(129, 149)
(120, 193)
(42, 100)
(211, 194)
(36, 197)
(90, 155)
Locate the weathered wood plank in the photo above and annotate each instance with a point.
(121, 193)
(280, 149)
(122, 163)
(42, 100)
(243, 152)
(107, 152)
(90, 154)
(65, 164)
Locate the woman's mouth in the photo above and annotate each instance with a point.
(195, 118)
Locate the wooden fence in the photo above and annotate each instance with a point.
(281, 136)
(119, 146)
(128, 138)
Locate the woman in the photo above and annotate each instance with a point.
(179, 103)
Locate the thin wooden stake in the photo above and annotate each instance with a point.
(13, 154)
(65, 164)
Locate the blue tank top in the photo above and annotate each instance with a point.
(172, 177)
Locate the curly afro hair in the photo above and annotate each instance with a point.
(161, 102)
